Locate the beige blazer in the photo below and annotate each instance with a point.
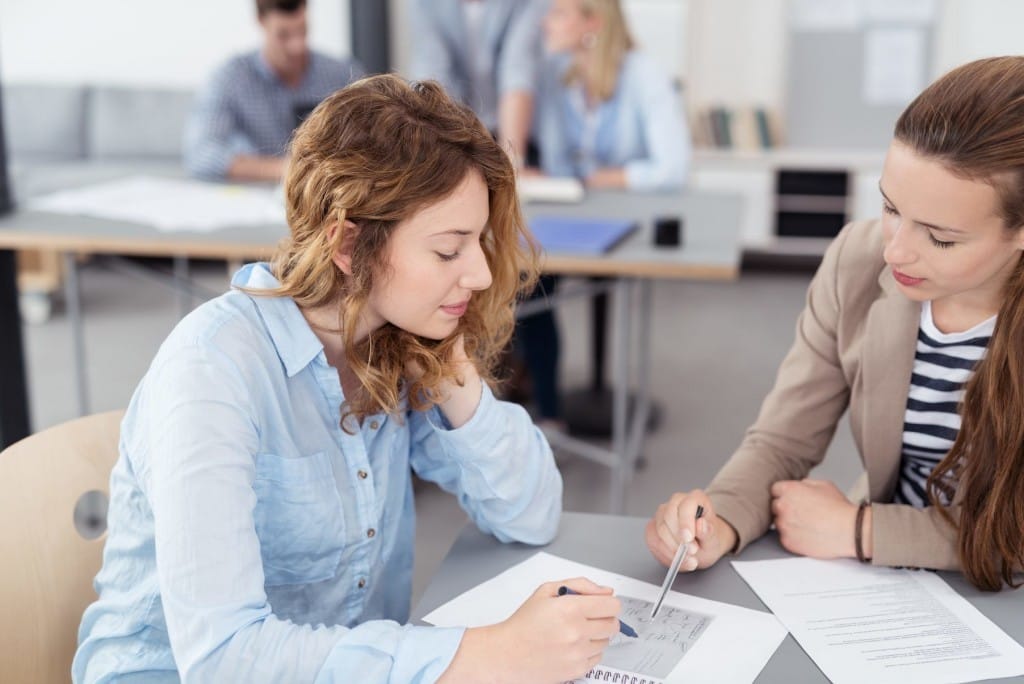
(854, 349)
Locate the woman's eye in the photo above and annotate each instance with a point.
(447, 257)
(939, 243)
(888, 209)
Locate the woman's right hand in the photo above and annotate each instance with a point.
(675, 522)
(550, 638)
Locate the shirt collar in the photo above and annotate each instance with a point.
(295, 342)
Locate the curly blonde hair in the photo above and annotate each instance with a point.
(374, 153)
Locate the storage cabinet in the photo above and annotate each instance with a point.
(795, 201)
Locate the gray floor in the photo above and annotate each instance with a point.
(716, 347)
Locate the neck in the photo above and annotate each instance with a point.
(586, 65)
(964, 310)
(325, 322)
(290, 78)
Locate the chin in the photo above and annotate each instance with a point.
(435, 332)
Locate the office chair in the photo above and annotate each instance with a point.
(53, 492)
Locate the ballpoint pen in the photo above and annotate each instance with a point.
(673, 568)
(623, 627)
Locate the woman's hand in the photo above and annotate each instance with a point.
(814, 518)
(606, 178)
(675, 522)
(550, 638)
(460, 399)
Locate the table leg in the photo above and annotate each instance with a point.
(642, 403)
(73, 299)
(185, 300)
(621, 320)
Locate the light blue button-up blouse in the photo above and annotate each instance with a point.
(641, 129)
(251, 539)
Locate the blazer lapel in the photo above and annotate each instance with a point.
(889, 347)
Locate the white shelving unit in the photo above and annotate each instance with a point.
(753, 174)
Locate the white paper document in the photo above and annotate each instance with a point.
(691, 640)
(549, 189)
(169, 204)
(917, 12)
(860, 623)
(894, 65)
(826, 15)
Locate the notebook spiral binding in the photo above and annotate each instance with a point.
(599, 674)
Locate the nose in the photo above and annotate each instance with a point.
(477, 275)
(899, 249)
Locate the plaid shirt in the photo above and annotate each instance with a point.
(247, 109)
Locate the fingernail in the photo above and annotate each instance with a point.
(703, 527)
(687, 536)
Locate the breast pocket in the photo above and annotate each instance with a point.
(299, 518)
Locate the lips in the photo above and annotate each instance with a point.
(455, 309)
(904, 279)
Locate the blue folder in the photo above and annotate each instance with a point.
(580, 235)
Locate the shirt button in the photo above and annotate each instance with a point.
(374, 425)
(362, 583)
(362, 474)
(371, 533)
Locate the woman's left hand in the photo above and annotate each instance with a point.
(460, 399)
(814, 518)
(606, 178)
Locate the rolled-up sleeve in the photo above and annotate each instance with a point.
(665, 132)
(212, 138)
(520, 54)
(200, 483)
(499, 465)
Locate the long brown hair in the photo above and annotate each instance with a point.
(610, 46)
(374, 153)
(972, 121)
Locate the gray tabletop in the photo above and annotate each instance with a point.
(710, 248)
(616, 544)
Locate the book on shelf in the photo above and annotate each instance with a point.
(747, 128)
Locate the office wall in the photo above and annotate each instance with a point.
(132, 42)
(971, 29)
(737, 53)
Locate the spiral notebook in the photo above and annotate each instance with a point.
(686, 642)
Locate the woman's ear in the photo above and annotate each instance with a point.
(342, 256)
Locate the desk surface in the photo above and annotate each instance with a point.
(710, 251)
(616, 544)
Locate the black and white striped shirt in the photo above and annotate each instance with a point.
(943, 364)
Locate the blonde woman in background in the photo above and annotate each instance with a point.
(607, 113)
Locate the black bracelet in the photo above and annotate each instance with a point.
(858, 541)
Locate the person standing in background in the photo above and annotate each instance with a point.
(485, 53)
(244, 117)
(606, 112)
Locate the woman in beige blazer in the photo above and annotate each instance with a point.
(948, 246)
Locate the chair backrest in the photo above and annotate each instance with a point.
(47, 566)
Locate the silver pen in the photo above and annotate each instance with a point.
(673, 568)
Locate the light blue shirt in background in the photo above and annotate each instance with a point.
(246, 108)
(640, 129)
(510, 46)
(252, 540)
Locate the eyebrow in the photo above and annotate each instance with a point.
(453, 231)
(933, 226)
